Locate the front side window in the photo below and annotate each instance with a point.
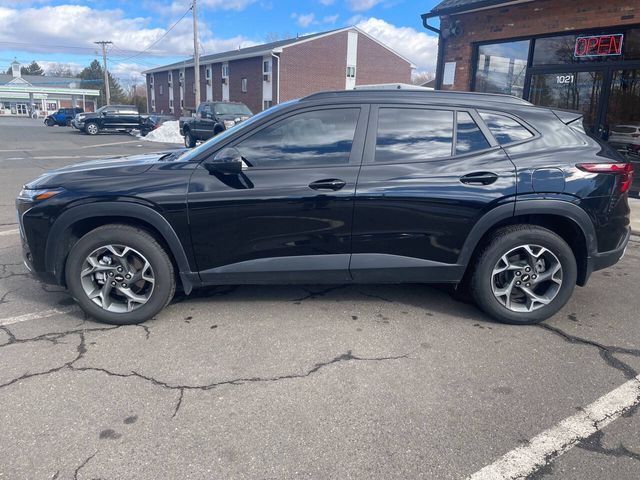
(501, 67)
(469, 137)
(321, 137)
(505, 129)
(413, 134)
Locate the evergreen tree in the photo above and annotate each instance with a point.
(93, 77)
(32, 69)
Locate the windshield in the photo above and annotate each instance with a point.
(101, 109)
(231, 109)
(221, 137)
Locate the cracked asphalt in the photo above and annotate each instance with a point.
(299, 381)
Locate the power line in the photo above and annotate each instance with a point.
(163, 36)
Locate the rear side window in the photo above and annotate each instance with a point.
(413, 134)
(469, 137)
(505, 129)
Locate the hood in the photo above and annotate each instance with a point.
(110, 167)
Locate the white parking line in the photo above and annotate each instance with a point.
(112, 143)
(6, 233)
(550, 444)
(35, 316)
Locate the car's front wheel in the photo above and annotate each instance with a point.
(92, 128)
(523, 275)
(48, 122)
(120, 274)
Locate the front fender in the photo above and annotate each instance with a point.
(54, 258)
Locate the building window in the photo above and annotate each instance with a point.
(170, 78)
(207, 73)
(153, 105)
(193, 87)
(267, 104)
(502, 67)
(180, 77)
(151, 80)
(181, 103)
(266, 66)
(351, 72)
(244, 85)
(171, 105)
(160, 90)
(225, 71)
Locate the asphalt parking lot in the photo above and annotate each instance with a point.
(306, 381)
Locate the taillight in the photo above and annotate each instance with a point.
(625, 170)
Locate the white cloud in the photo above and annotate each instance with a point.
(418, 47)
(304, 20)
(327, 2)
(330, 19)
(362, 5)
(72, 29)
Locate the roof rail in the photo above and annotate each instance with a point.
(444, 95)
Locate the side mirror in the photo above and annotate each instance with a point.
(104, 114)
(227, 160)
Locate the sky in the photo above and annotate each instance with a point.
(147, 33)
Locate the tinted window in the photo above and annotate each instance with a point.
(322, 137)
(505, 129)
(469, 137)
(411, 134)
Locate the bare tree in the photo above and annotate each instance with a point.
(422, 77)
(59, 70)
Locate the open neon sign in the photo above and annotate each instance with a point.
(599, 45)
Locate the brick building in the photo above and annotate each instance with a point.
(265, 75)
(573, 54)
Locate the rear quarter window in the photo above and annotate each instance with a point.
(505, 129)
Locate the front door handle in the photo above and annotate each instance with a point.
(333, 184)
(479, 178)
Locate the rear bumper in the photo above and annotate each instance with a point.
(599, 261)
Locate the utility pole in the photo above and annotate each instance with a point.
(196, 54)
(107, 93)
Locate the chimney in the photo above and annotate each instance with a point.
(15, 69)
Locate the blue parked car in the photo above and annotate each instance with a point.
(62, 117)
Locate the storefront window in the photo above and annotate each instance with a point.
(554, 50)
(502, 67)
(571, 91)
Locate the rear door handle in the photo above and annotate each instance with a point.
(333, 184)
(479, 178)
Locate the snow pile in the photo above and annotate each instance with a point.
(168, 132)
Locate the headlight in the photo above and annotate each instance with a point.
(229, 123)
(27, 195)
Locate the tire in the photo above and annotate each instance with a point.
(48, 122)
(156, 288)
(521, 308)
(92, 128)
(67, 123)
(189, 139)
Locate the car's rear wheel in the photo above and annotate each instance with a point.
(523, 275)
(189, 139)
(92, 128)
(120, 274)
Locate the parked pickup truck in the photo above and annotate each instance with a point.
(112, 118)
(212, 118)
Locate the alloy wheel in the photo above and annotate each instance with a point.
(117, 278)
(92, 129)
(526, 278)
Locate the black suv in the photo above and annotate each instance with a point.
(112, 118)
(485, 191)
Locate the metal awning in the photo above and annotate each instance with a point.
(35, 90)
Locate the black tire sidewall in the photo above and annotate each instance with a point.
(164, 286)
(189, 141)
(501, 244)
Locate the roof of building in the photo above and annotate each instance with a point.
(263, 49)
(40, 80)
(449, 7)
